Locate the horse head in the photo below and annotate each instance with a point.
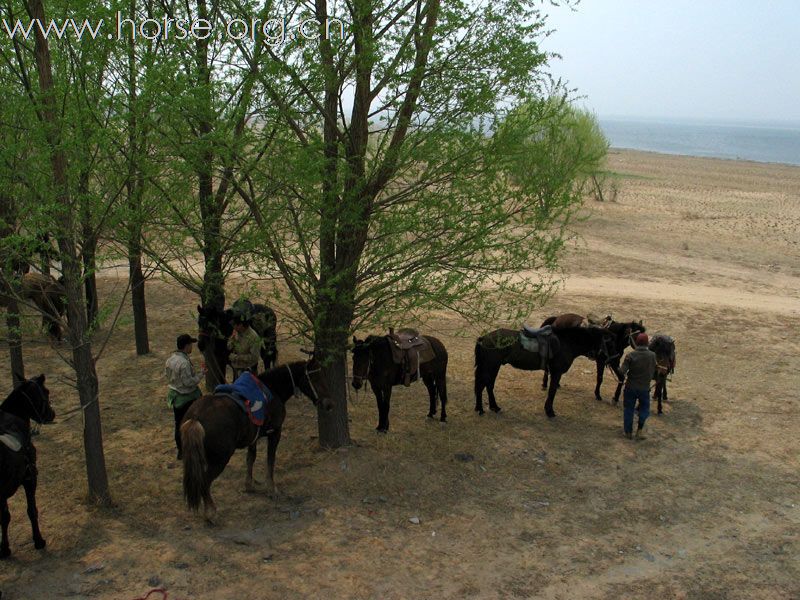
(31, 399)
(313, 383)
(361, 361)
(212, 324)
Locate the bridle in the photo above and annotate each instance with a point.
(365, 376)
(39, 417)
(315, 396)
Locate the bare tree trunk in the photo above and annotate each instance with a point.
(14, 340)
(135, 189)
(83, 362)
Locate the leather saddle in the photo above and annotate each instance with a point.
(537, 341)
(410, 350)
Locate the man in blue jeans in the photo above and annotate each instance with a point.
(638, 369)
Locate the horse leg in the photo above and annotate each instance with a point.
(493, 406)
(382, 399)
(544, 379)
(480, 384)
(600, 367)
(33, 514)
(209, 508)
(431, 385)
(617, 392)
(441, 387)
(273, 439)
(659, 391)
(249, 482)
(551, 394)
(5, 519)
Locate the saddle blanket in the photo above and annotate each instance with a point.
(536, 341)
(250, 394)
(12, 433)
(12, 441)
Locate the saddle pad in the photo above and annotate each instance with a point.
(12, 441)
(250, 394)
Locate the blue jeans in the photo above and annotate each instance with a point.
(630, 397)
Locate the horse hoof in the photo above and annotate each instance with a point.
(382, 429)
(443, 420)
(39, 544)
(431, 415)
(496, 409)
(551, 415)
(479, 411)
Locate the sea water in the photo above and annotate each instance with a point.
(762, 142)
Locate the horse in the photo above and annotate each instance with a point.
(624, 333)
(215, 426)
(502, 346)
(664, 348)
(48, 295)
(29, 400)
(373, 361)
(215, 327)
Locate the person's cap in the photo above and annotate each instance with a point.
(184, 339)
(642, 339)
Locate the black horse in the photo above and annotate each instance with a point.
(30, 400)
(502, 346)
(624, 334)
(215, 426)
(372, 360)
(215, 327)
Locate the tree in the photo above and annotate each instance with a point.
(47, 142)
(394, 192)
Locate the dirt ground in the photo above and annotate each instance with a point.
(707, 507)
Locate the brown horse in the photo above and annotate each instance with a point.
(44, 292)
(30, 400)
(373, 361)
(49, 296)
(215, 426)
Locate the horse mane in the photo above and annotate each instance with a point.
(279, 381)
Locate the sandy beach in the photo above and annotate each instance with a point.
(511, 505)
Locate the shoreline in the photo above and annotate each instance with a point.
(662, 153)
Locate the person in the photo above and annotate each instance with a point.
(638, 369)
(183, 383)
(244, 346)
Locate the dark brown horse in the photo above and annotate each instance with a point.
(624, 333)
(664, 348)
(372, 361)
(215, 327)
(502, 346)
(29, 401)
(45, 293)
(215, 427)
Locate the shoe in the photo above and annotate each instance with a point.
(629, 435)
(641, 433)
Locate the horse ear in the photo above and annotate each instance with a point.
(40, 379)
(199, 309)
(355, 340)
(640, 322)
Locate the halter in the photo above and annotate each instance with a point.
(307, 373)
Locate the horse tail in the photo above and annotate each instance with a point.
(194, 463)
(478, 362)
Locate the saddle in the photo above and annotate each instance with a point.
(250, 394)
(12, 432)
(410, 350)
(537, 341)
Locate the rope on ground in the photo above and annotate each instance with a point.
(161, 591)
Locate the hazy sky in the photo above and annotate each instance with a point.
(727, 59)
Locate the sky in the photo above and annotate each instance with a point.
(678, 59)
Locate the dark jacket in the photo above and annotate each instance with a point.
(639, 366)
